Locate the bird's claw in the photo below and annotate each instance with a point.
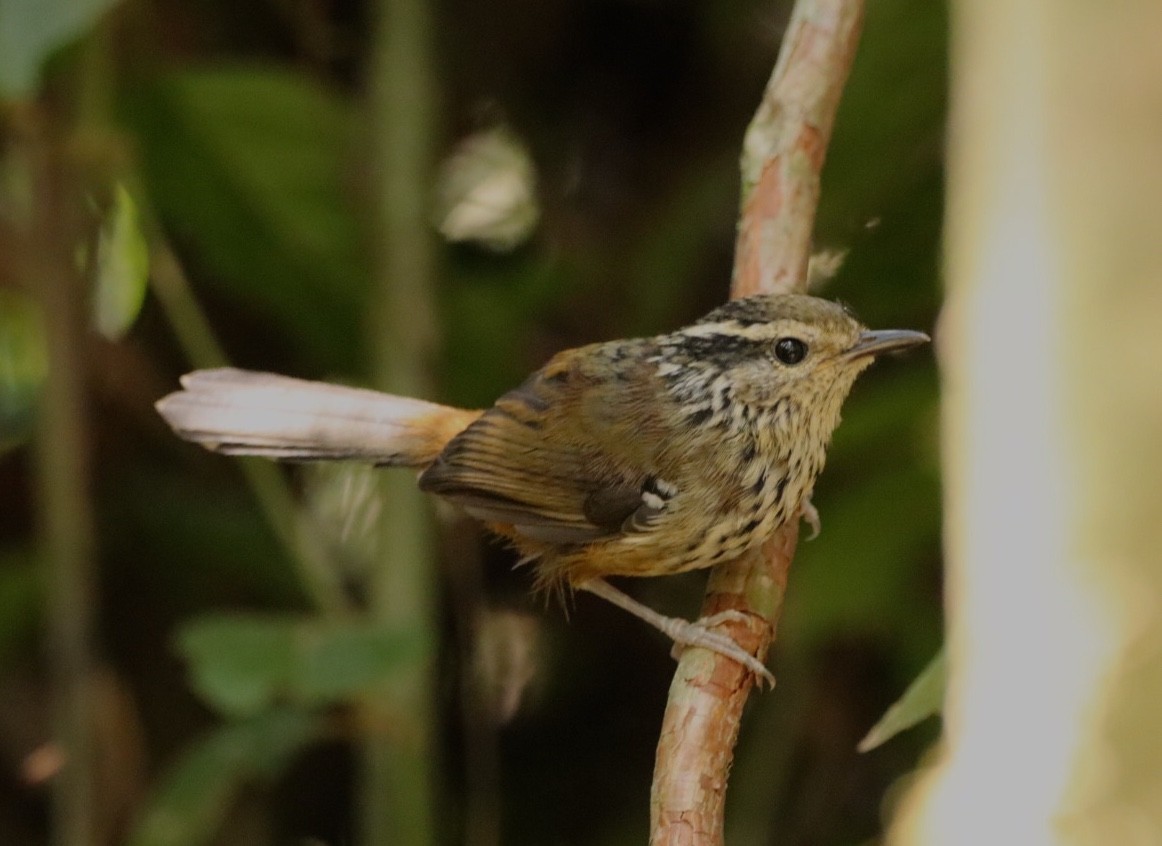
(699, 633)
(810, 515)
(683, 632)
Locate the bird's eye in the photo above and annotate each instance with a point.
(790, 350)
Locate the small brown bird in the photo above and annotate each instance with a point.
(639, 457)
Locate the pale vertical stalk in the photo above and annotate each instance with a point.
(62, 467)
(1053, 468)
(65, 514)
(781, 161)
(399, 750)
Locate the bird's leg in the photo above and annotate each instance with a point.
(810, 515)
(683, 632)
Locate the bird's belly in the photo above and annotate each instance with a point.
(694, 535)
(697, 545)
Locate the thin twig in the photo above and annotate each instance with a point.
(399, 757)
(64, 508)
(782, 158)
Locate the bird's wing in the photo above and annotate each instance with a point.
(554, 474)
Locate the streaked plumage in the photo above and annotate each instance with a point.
(635, 457)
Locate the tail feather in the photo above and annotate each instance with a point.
(242, 412)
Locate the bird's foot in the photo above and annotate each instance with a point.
(700, 632)
(683, 632)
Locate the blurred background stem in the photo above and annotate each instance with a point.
(399, 772)
(65, 513)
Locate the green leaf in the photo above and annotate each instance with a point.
(195, 794)
(923, 698)
(31, 30)
(269, 214)
(122, 269)
(23, 365)
(244, 664)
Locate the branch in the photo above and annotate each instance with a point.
(782, 158)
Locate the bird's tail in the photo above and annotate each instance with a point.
(241, 412)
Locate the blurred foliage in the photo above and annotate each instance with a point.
(121, 268)
(20, 601)
(268, 215)
(239, 133)
(485, 192)
(244, 665)
(923, 698)
(23, 365)
(30, 32)
(195, 796)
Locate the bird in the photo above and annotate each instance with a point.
(634, 457)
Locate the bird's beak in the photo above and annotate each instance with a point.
(873, 343)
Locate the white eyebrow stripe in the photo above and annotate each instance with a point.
(752, 332)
